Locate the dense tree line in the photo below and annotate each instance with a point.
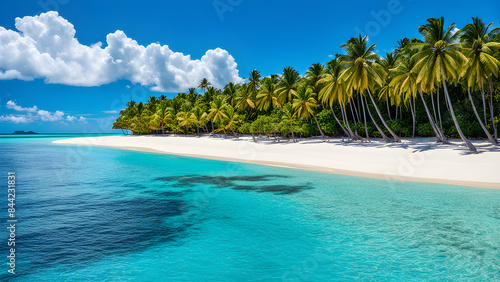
(445, 85)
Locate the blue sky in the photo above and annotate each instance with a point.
(250, 34)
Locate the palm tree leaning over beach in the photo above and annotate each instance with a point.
(333, 90)
(363, 72)
(482, 66)
(439, 60)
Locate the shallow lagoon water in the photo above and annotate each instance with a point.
(91, 213)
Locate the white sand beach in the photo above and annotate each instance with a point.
(421, 160)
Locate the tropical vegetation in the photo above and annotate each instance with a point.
(445, 84)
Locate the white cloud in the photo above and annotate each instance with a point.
(35, 114)
(109, 112)
(17, 119)
(46, 47)
(48, 116)
(13, 106)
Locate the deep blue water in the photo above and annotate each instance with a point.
(101, 214)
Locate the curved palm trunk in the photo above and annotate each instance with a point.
(491, 110)
(253, 137)
(364, 117)
(447, 96)
(163, 129)
(412, 109)
(376, 125)
(187, 129)
(484, 105)
(396, 138)
(213, 132)
(341, 126)
(492, 140)
(232, 130)
(198, 128)
(291, 129)
(439, 113)
(317, 123)
(344, 118)
(388, 108)
(439, 135)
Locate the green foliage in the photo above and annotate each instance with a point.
(425, 130)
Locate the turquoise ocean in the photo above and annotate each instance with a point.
(103, 214)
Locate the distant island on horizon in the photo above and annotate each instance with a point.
(21, 132)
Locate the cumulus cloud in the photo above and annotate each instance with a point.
(13, 106)
(17, 119)
(48, 116)
(34, 114)
(46, 47)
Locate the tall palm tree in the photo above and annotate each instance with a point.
(161, 114)
(482, 66)
(204, 84)
(404, 83)
(314, 73)
(267, 97)
(333, 90)
(305, 103)
(289, 117)
(217, 110)
(254, 82)
(288, 85)
(199, 117)
(363, 72)
(230, 92)
(439, 61)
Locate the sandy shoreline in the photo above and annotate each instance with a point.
(422, 161)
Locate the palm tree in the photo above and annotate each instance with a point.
(232, 119)
(254, 82)
(314, 74)
(333, 90)
(363, 72)
(288, 85)
(204, 84)
(245, 98)
(304, 104)
(267, 97)
(217, 110)
(482, 64)
(439, 61)
(199, 116)
(185, 118)
(405, 85)
(289, 117)
(161, 114)
(230, 92)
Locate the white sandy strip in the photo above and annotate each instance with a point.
(423, 161)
